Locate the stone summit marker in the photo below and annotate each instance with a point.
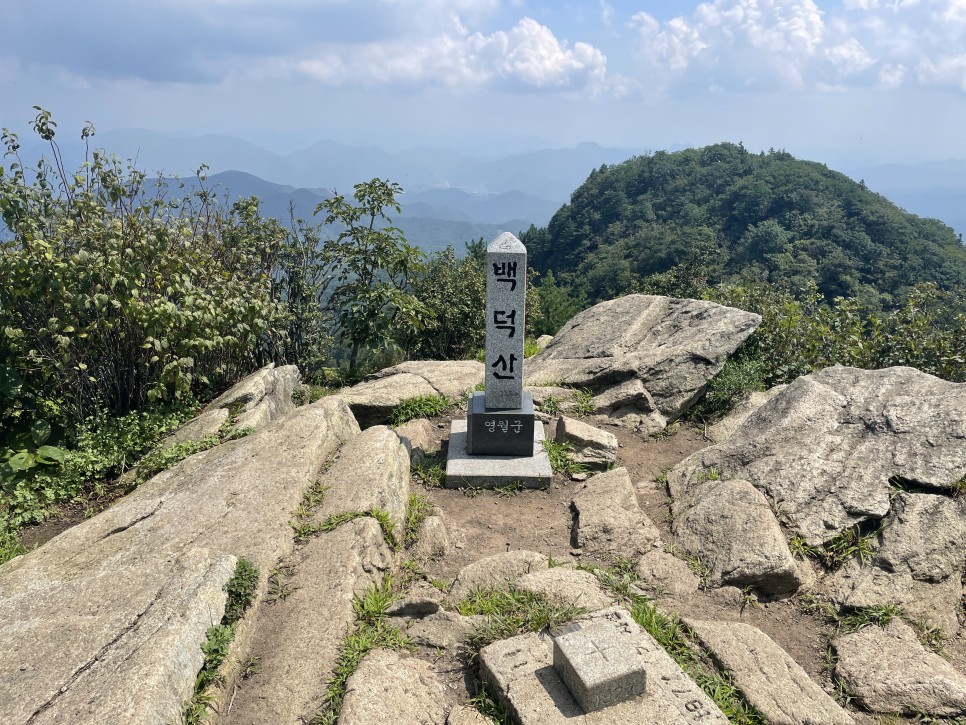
(500, 443)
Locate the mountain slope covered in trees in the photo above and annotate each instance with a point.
(725, 214)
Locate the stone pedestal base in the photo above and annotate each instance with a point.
(500, 432)
(466, 471)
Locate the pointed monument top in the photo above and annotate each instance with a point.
(506, 243)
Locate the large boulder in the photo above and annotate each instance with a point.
(498, 571)
(729, 526)
(918, 563)
(673, 346)
(825, 448)
(104, 623)
(372, 401)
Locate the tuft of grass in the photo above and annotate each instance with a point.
(241, 590)
(530, 347)
(880, 614)
(801, 549)
(561, 460)
(417, 509)
(552, 405)
(422, 406)
(583, 403)
(510, 612)
(490, 706)
(369, 632)
(388, 528)
(931, 636)
(10, 545)
(848, 544)
(667, 432)
(161, 459)
(429, 471)
(711, 474)
(279, 584)
(509, 490)
(701, 570)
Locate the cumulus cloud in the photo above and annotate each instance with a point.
(793, 44)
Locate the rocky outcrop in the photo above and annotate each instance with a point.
(918, 562)
(389, 689)
(665, 574)
(608, 522)
(825, 448)
(771, 681)
(723, 429)
(672, 346)
(494, 571)
(132, 591)
(253, 402)
(419, 437)
(891, 672)
(594, 448)
(567, 586)
(729, 526)
(372, 401)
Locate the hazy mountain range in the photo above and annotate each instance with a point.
(452, 197)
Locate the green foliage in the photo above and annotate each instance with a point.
(423, 406)
(848, 544)
(558, 305)
(417, 509)
(241, 590)
(490, 706)
(561, 458)
(429, 471)
(530, 347)
(373, 265)
(217, 642)
(10, 545)
(738, 379)
(552, 405)
(161, 459)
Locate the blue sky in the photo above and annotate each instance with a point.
(844, 80)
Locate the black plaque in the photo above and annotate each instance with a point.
(499, 432)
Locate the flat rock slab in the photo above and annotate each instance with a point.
(297, 638)
(84, 611)
(371, 473)
(892, 672)
(770, 680)
(466, 471)
(494, 571)
(917, 564)
(723, 429)
(391, 689)
(608, 522)
(730, 527)
(673, 346)
(862, 427)
(567, 586)
(372, 401)
(521, 672)
(593, 447)
(664, 574)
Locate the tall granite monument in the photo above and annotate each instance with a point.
(499, 443)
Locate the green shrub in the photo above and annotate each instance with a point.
(241, 590)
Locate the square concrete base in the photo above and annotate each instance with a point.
(466, 471)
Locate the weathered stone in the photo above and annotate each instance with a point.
(433, 542)
(442, 629)
(608, 522)
(314, 617)
(544, 395)
(631, 405)
(723, 429)
(666, 574)
(206, 424)
(918, 563)
(593, 447)
(770, 680)
(729, 526)
(568, 586)
(543, 341)
(371, 473)
(419, 437)
(388, 689)
(506, 274)
(825, 448)
(521, 673)
(372, 401)
(101, 600)
(673, 346)
(463, 715)
(466, 471)
(891, 672)
(494, 571)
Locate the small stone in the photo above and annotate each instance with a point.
(568, 586)
(609, 522)
(666, 574)
(433, 542)
(419, 439)
(494, 571)
(593, 448)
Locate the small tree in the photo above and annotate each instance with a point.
(373, 264)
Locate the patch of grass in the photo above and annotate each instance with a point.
(661, 478)
(959, 487)
(10, 545)
(417, 509)
(251, 667)
(721, 689)
(583, 403)
(161, 459)
(509, 490)
(305, 394)
(561, 460)
(552, 405)
(710, 474)
(667, 432)
(880, 614)
(530, 347)
(388, 528)
(848, 544)
(930, 635)
(430, 471)
(241, 590)
(369, 632)
(279, 584)
(490, 706)
(510, 612)
(242, 432)
(422, 406)
(701, 570)
(801, 549)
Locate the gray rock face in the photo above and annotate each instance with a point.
(521, 672)
(389, 689)
(442, 629)
(66, 656)
(464, 715)
(373, 399)
(567, 586)
(371, 472)
(494, 571)
(433, 542)
(723, 429)
(918, 564)
(608, 522)
(673, 346)
(593, 447)
(663, 573)
(892, 672)
(770, 680)
(631, 405)
(862, 427)
(731, 528)
(333, 566)
(419, 437)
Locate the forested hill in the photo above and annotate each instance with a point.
(735, 215)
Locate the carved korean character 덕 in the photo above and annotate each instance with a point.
(506, 367)
(506, 272)
(505, 320)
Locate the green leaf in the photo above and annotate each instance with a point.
(51, 454)
(22, 461)
(40, 432)
(10, 382)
